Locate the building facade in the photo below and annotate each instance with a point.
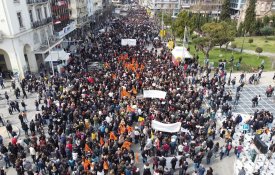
(167, 6)
(263, 8)
(236, 6)
(60, 13)
(79, 12)
(26, 34)
(203, 6)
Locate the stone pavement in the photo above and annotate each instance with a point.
(224, 167)
(14, 118)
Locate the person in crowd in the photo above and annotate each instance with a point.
(90, 117)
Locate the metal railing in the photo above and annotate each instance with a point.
(36, 1)
(43, 22)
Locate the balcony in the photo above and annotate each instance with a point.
(35, 2)
(82, 20)
(41, 23)
(53, 42)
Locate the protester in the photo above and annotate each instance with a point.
(89, 118)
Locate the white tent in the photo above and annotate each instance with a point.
(181, 53)
(57, 55)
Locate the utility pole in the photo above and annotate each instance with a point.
(162, 25)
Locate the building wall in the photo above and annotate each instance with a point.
(60, 13)
(237, 4)
(21, 42)
(90, 7)
(172, 6)
(263, 8)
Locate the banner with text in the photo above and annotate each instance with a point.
(164, 127)
(154, 94)
(129, 42)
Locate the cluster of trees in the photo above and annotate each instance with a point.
(260, 27)
(194, 21)
(217, 32)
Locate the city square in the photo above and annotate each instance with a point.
(95, 87)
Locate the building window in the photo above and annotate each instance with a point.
(16, 1)
(20, 20)
(31, 17)
(45, 12)
(38, 14)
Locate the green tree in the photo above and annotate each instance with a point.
(250, 17)
(259, 50)
(258, 26)
(180, 23)
(225, 13)
(227, 34)
(266, 20)
(240, 31)
(266, 31)
(214, 34)
(273, 20)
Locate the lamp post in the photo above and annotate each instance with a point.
(50, 52)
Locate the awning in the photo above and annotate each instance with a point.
(45, 49)
(57, 56)
(181, 53)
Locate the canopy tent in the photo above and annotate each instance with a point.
(57, 55)
(180, 54)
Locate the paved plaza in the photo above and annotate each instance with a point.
(245, 104)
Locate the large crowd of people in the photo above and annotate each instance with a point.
(94, 121)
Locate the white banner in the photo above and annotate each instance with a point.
(154, 94)
(172, 127)
(130, 42)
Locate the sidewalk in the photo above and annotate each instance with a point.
(252, 52)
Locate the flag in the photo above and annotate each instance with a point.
(124, 93)
(129, 109)
(105, 165)
(121, 129)
(152, 135)
(129, 129)
(126, 145)
(113, 76)
(86, 164)
(134, 90)
(87, 148)
(140, 119)
(113, 136)
(101, 141)
(136, 157)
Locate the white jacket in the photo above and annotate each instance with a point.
(32, 151)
